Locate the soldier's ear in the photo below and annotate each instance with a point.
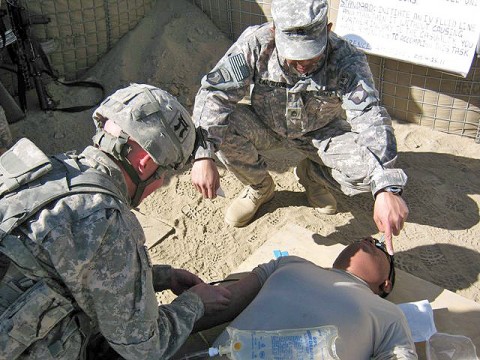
(386, 287)
(329, 27)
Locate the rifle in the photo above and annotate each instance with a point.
(27, 55)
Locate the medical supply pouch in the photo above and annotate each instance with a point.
(35, 313)
(21, 164)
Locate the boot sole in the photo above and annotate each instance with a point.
(247, 221)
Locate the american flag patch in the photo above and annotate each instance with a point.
(239, 67)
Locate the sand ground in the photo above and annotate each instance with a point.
(172, 48)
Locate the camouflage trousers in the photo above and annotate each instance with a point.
(335, 157)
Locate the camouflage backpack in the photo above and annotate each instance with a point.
(31, 306)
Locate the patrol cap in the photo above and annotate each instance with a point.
(300, 28)
(154, 119)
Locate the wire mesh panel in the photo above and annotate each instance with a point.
(234, 16)
(432, 98)
(410, 92)
(219, 11)
(80, 32)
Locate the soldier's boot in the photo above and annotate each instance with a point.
(245, 206)
(318, 195)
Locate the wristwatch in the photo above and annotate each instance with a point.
(395, 190)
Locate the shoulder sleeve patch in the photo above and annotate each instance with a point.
(219, 76)
(358, 95)
(360, 98)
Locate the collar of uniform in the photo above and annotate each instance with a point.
(352, 276)
(100, 161)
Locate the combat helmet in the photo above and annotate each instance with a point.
(155, 120)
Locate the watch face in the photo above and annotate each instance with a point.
(394, 190)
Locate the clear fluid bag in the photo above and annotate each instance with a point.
(289, 344)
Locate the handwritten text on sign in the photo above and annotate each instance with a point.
(441, 34)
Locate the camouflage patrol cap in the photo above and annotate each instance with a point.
(154, 119)
(300, 28)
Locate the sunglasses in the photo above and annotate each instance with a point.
(391, 275)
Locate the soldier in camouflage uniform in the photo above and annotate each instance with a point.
(78, 269)
(312, 91)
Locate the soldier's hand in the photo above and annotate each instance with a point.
(205, 177)
(215, 298)
(390, 213)
(182, 280)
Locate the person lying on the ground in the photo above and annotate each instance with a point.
(293, 293)
(76, 278)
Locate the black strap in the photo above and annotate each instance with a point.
(79, 181)
(81, 83)
(75, 83)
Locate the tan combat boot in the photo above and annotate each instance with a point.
(245, 206)
(317, 194)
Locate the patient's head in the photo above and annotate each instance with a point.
(369, 260)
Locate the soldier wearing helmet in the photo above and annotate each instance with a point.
(155, 121)
(76, 280)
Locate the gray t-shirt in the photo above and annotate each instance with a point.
(299, 294)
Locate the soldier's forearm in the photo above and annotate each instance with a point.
(162, 277)
(243, 292)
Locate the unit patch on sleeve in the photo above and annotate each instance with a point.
(358, 95)
(219, 76)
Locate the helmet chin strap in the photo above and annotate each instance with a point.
(119, 149)
(142, 184)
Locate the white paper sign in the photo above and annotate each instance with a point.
(441, 34)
